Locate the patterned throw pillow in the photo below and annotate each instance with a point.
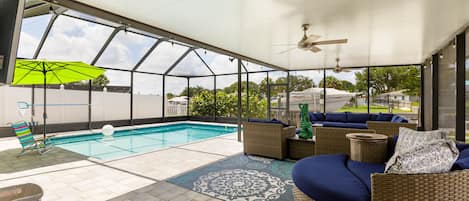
(409, 138)
(436, 156)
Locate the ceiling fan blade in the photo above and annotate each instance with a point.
(330, 42)
(287, 50)
(311, 38)
(315, 49)
(346, 70)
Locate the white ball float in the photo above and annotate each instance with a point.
(108, 130)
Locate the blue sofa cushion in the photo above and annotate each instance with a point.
(326, 177)
(357, 117)
(463, 159)
(373, 117)
(336, 117)
(344, 125)
(273, 121)
(364, 170)
(399, 119)
(316, 116)
(384, 117)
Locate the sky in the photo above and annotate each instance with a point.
(76, 40)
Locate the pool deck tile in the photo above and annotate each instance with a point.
(165, 163)
(221, 146)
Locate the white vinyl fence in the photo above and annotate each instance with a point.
(71, 106)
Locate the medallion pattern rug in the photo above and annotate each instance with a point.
(241, 178)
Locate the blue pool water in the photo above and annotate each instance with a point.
(129, 142)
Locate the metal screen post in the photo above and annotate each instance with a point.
(90, 84)
(214, 98)
(461, 87)
(164, 94)
(239, 100)
(132, 98)
(188, 97)
(368, 94)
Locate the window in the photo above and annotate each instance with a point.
(147, 96)
(32, 30)
(71, 39)
(305, 90)
(346, 90)
(125, 50)
(162, 57)
(202, 96)
(175, 98)
(220, 64)
(227, 96)
(257, 95)
(115, 94)
(191, 65)
(447, 89)
(396, 90)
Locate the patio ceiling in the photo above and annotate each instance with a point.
(380, 32)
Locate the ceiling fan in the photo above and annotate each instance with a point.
(339, 69)
(310, 43)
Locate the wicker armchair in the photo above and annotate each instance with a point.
(266, 139)
(388, 128)
(331, 140)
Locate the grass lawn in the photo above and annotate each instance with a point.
(373, 109)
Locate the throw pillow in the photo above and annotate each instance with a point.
(409, 138)
(436, 156)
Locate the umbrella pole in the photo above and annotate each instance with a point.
(44, 112)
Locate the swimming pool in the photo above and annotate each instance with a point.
(130, 142)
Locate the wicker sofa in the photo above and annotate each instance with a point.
(267, 139)
(335, 177)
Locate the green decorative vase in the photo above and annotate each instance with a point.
(306, 131)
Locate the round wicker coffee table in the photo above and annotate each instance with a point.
(368, 147)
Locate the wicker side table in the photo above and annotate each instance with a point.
(299, 148)
(367, 147)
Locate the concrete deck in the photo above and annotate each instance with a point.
(66, 175)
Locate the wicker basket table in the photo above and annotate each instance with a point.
(368, 147)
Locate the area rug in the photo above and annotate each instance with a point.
(241, 178)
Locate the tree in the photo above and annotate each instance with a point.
(193, 91)
(233, 88)
(332, 82)
(100, 81)
(297, 82)
(170, 95)
(388, 79)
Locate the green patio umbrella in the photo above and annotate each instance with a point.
(29, 72)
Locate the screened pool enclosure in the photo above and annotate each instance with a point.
(152, 79)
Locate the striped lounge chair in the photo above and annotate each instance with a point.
(27, 140)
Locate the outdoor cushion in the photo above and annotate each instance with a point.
(384, 117)
(463, 159)
(344, 125)
(316, 116)
(326, 177)
(364, 170)
(436, 156)
(273, 121)
(399, 119)
(373, 117)
(336, 117)
(409, 138)
(357, 117)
